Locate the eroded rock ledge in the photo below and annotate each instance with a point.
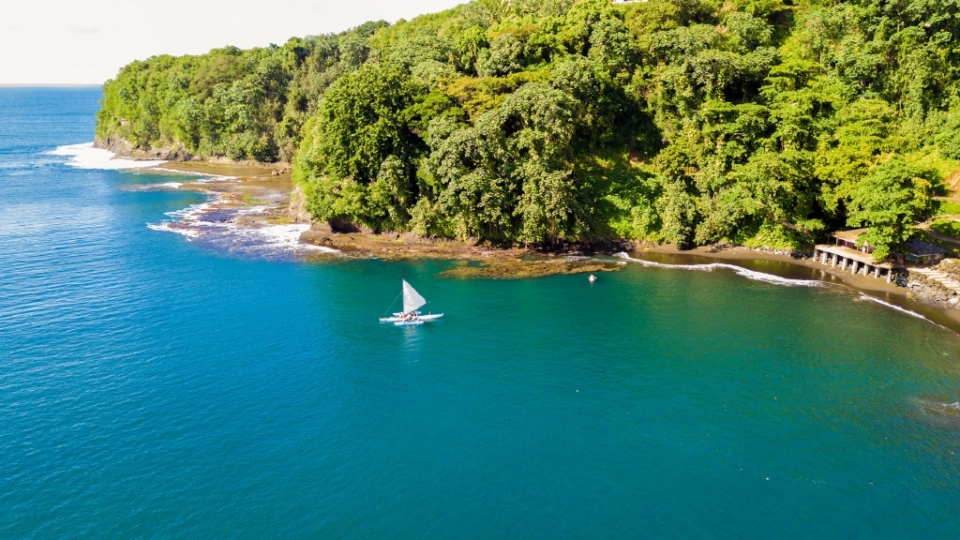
(125, 148)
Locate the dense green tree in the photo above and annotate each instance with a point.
(888, 201)
(765, 122)
(361, 138)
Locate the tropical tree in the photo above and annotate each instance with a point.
(889, 201)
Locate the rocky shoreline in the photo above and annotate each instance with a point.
(912, 289)
(927, 285)
(125, 148)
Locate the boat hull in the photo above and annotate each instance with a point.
(419, 320)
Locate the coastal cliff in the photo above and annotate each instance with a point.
(125, 148)
(179, 152)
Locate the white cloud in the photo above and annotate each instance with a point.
(88, 41)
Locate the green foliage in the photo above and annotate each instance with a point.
(947, 227)
(889, 200)
(763, 122)
(245, 105)
(360, 150)
(942, 208)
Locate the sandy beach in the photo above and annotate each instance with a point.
(802, 268)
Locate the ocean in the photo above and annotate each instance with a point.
(153, 385)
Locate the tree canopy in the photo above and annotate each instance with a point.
(763, 122)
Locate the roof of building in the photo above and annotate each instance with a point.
(850, 236)
(916, 247)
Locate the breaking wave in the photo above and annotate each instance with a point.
(202, 177)
(165, 186)
(891, 306)
(749, 274)
(85, 156)
(169, 226)
(215, 225)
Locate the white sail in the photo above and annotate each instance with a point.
(411, 298)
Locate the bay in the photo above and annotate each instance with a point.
(154, 387)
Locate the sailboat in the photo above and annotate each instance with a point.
(412, 302)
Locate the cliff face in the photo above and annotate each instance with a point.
(123, 147)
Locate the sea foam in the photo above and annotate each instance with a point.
(217, 226)
(85, 156)
(892, 306)
(749, 274)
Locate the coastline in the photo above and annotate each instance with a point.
(784, 265)
(123, 148)
(258, 183)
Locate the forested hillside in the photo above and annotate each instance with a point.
(763, 122)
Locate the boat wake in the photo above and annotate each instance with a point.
(218, 225)
(710, 267)
(85, 156)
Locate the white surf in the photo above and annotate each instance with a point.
(710, 267)
(85, 156)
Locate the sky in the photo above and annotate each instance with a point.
(88, 41)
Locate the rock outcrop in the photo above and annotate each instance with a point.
(298, 206)
(178, 152)
(935, 285)
(125, 148)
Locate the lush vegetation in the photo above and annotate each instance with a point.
(947, 227)
(244, 105)
(763, 122)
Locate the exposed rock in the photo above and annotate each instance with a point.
(934, 285)
(501, 268)
(125, 148)
(298, 206)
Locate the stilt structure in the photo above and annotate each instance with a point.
(844, 253)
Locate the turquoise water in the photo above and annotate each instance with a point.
(151, 386)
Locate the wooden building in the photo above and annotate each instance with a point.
(923, 253)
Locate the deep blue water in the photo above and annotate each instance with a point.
(151, 387)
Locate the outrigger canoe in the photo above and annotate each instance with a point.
(412, 302)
